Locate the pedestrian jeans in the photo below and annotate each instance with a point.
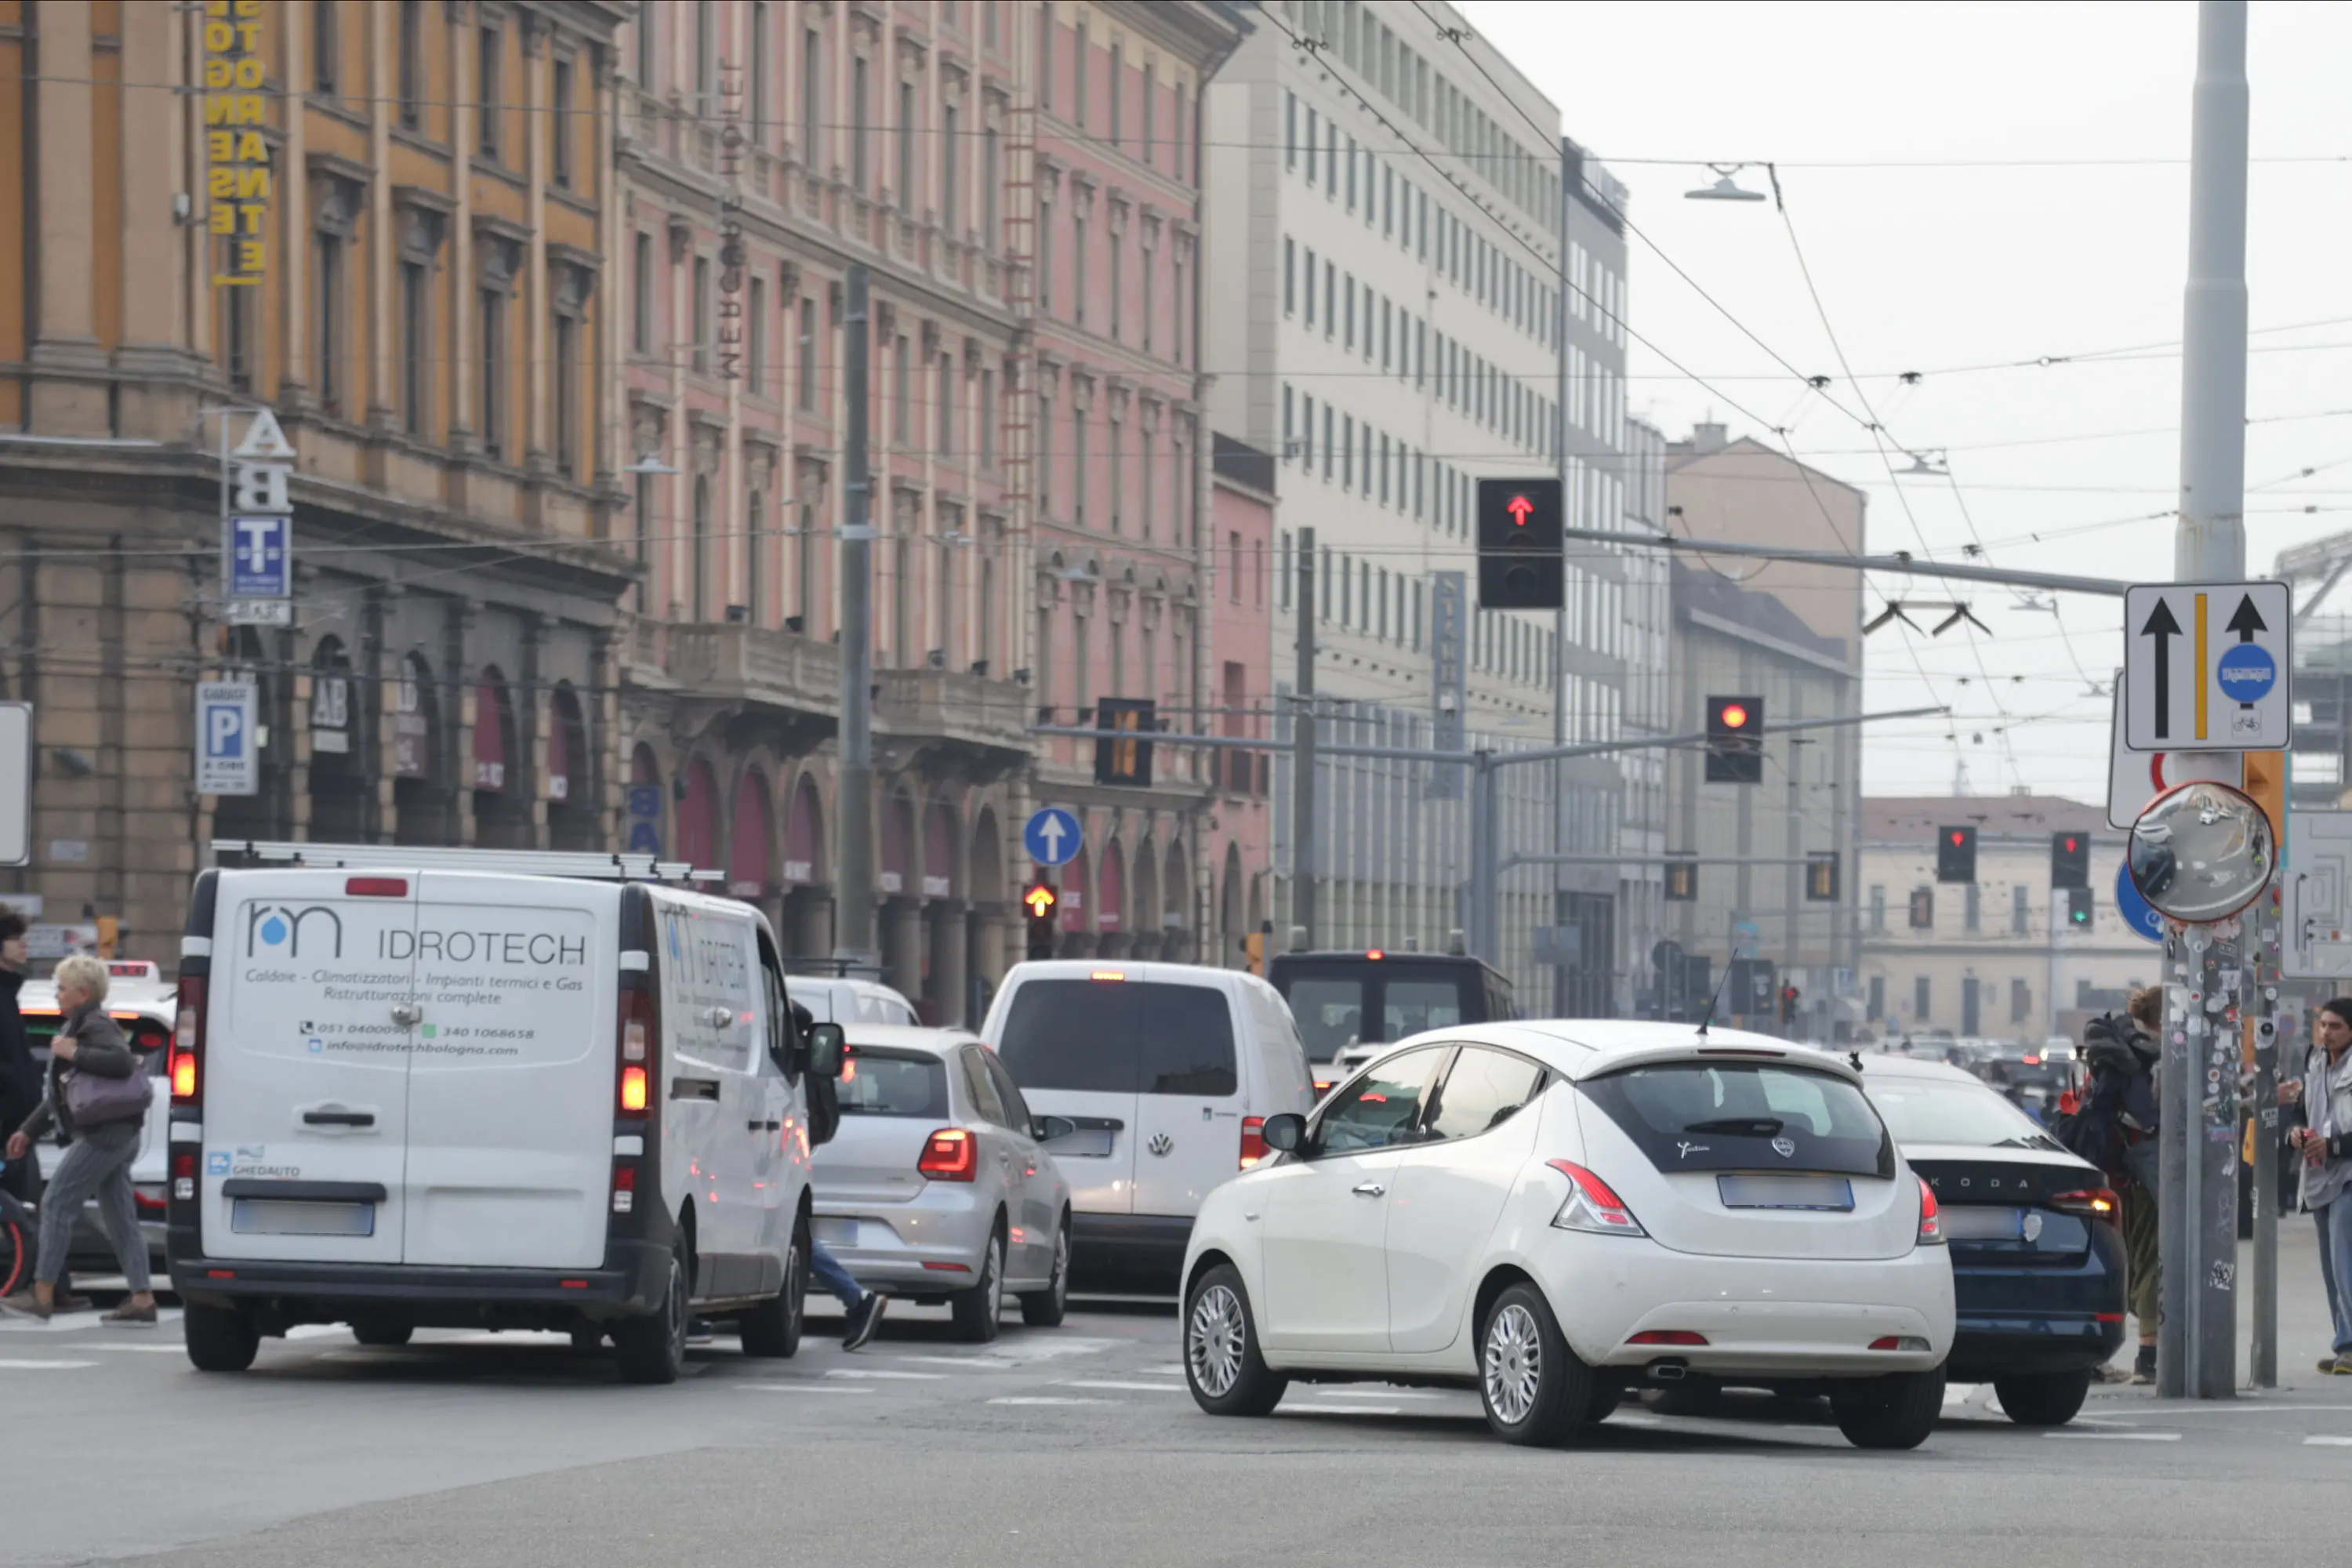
(2335, 1264)
(97, 1163)
(832, 1275)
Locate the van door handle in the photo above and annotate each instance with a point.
(1369, 1190)
(339, 1117)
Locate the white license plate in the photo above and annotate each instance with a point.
(1834, 1192)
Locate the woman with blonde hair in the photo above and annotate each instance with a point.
(97, 1096)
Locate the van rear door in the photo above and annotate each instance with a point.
(306, 1089)
(512, 1079)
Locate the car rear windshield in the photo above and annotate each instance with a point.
(1120, 1037)
(1745, 1116)
(1927, 1110)
(881, 1083)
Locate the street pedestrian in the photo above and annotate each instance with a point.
(2324, 1098)
(864, 1308)
(20, 1076)
(2112, 1125)
(97, 1095)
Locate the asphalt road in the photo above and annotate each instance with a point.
(1075, 1446)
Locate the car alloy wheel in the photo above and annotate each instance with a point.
(1213, 1340)
(1513, 1364)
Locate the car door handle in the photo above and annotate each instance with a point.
(1369, 1190)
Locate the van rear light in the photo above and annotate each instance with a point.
(1252, 1141)
(950, 1154)
(1668, 1337)
(187, 1047)
(1591, 1206)
(633, 1089)
(1931, 1223)
(2091, 1203)
(375, 886)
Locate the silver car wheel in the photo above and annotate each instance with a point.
(1213, 1340)
(1513, 1364)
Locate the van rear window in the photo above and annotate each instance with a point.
(1745, 1116)
(1120, 1037)
(875, 1083)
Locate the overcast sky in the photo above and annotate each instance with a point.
(1995, 255)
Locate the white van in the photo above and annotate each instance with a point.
(1166, 1073)
(438, 1087)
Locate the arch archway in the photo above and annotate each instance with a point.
(571, 774)
(420, 792)
(808, 904)
(339, 778)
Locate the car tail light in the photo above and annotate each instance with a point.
(637, 1051)
(2091, 1203)
(950, 1154)
(1252, 1141)
(1931, 1221)
(188, 1043)
(1591, 1206)
(1668, 1337)
(624, 1188)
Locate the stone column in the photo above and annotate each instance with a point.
(69, 382)
(949, 937)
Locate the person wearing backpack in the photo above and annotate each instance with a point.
(2323, 1095)
(2112, 1125)
(98, 1096)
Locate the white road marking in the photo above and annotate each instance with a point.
(23, 1364)
(800, 1388)
(2116, 1437)
(2328, 1442)
(1045, 1399)
(1138, 1387)
(877, 1376)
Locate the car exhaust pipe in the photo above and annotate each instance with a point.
(1667, 1371)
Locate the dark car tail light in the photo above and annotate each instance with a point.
(2091, 1203)
(950, 1154)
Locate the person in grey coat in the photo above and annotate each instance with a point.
(102, 1144)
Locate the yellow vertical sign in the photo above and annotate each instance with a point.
(2204, 673)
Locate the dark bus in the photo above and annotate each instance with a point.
(1347, 1002)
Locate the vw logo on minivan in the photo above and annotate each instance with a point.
(1160, 1144)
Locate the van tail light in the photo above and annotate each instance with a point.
(1252, 1141)
(2091, 1203)
(188, 1044)
(1591, 1206)
(1931, 1219)
(950, 1154)
(635, 1051)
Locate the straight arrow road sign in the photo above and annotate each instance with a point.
(2205, 666)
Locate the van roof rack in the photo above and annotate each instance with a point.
(587, 864)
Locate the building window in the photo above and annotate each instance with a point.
(2019, 914)
(560, 125)
(487, 93)
(415, 348)
(326, 47)
(566, 330)
(494, 362)
(411, 84)
(805, 352)
(330, 347)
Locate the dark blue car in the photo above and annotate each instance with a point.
(2035, 1236)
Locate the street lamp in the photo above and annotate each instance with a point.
(1725, 188)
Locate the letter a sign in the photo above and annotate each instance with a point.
(2205, 666)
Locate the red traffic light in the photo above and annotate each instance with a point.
(1734, 716)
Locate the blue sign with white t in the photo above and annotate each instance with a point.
(2139, 916)
(1052, 837)
(2246, 672)
(261, 557)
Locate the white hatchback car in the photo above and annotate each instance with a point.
(1557, 1213)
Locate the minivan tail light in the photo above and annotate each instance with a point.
(1931, 1221)
(2091, 1203)
(1252, 1141)
(188, 1043)
(1592, 1206)
(950, 1154)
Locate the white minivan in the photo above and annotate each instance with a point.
(429, 1087)
(1166, 1072)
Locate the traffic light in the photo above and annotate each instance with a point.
(2079, 908)
(1787, 1003)
(1125, 762)
(1042, 905)
(2069, 859)
(1956, 854)
(1735, 739)
(1520, 565)
(1682, 881)
(1923, 909)
(1822, 877)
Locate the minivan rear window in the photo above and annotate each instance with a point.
(1745, 1116)
(1128, 1036)
(877, 1082)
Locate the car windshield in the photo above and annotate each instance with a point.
(1927, 1110)
(876, 1082)
(1120, 1037)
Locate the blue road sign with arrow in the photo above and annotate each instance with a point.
(1053, 837)
(2139, 916)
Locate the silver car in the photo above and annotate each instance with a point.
(936, 1187)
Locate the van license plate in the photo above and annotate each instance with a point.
(1786, 1192)
(275, 1216)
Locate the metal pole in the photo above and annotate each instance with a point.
(1303, 866)
(854, 936)
(2197, 1205)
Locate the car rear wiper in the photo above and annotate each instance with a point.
(1738, 1126)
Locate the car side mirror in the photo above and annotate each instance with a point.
(825, 1049)
(1286, 1130)
(1045, 1129)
